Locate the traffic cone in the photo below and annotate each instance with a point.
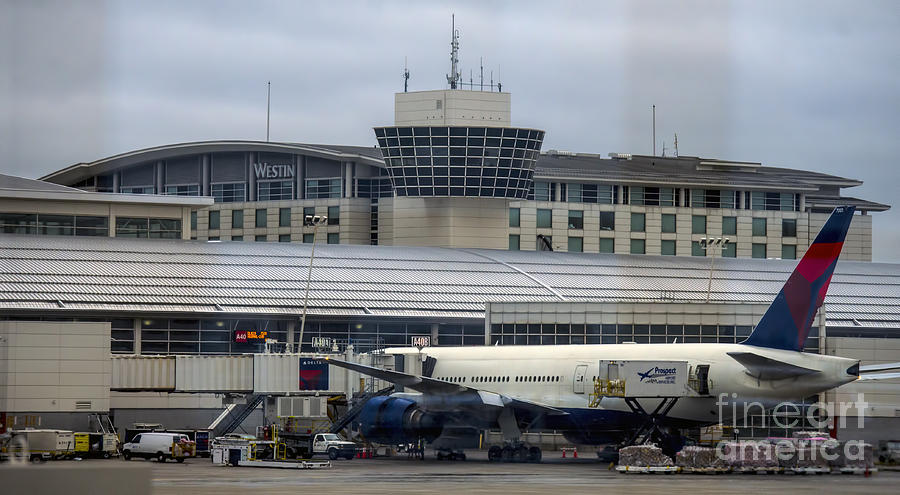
(564, 453)
(575, 454)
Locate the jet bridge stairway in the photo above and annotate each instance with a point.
(234, 415)
(354, 411)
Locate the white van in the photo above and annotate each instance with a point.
(160, 446)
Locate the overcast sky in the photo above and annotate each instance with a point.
(808, 85)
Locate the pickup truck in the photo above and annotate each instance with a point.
(300, 445)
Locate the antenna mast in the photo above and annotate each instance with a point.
(676, 144)
(268, 106)
(405, 76)
(654, 130)
(481, 88)
(454, 76)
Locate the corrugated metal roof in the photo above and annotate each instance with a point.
(64, 274)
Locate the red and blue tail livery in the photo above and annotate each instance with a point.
(787, 322)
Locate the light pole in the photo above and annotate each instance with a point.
(315, 221)
(711, 245)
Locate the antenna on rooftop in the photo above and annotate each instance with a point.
(405, 76)
(481, 88)
(268, 106)
(654, 130)
(454, 76)
(676, 144)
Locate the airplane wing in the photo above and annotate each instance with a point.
(432, 386)
(764, 368)
(869, 368)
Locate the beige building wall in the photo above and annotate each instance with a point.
(451, 222)
(353, 228)
(54, 366)
(454, 107)
(858, 246)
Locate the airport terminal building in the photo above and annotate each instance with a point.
(442, 229)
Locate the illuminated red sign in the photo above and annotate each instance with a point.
(244, 336)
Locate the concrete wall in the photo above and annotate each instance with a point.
(54, 367)
(450, 222)
(454, 107)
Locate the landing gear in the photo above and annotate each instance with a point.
(514, 452)
(450, 455)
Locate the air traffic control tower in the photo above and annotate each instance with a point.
(455, 161)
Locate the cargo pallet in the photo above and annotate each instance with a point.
(810, 470)
(648, 469)
(710, 470)
(759, 470)
(286, 464)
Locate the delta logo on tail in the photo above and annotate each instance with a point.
(664, 376)
(787, 322)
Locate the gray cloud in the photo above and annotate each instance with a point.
(810, 85)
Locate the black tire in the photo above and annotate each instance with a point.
(160, 457)
(522, 454)
(126, 455)
(461, 457)
(332, 453)
(508, 453)
(179, 459)
(106, 455)
(534, 454)
(494, 453)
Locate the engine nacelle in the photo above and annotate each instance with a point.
(393, 420)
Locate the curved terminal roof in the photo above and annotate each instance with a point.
(50, 275)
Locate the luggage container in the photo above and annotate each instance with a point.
(103, 445)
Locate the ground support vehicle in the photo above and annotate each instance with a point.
(889, 451)
(44, 445)
(103, 445)
(160, 446)
(260, 453)
(303, 445)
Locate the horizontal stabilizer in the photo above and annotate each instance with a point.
(871, 368)
(764, 368)
(879, 376)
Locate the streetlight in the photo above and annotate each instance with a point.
(315, 221)
(711, 245)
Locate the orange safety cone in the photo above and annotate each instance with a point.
(575, 454)
(564, 453)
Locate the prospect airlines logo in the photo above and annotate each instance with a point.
(665, 376)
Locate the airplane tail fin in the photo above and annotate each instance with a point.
(787, 322)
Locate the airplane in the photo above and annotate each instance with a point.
(454, 392)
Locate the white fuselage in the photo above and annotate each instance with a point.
(496, 368)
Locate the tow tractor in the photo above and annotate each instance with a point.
(260, 453)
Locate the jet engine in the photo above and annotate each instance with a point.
(394, 420)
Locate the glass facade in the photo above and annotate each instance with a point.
(544, 219)
(460, 161)
(668, 223)
(513, 217)
(638, 222)
(276, 190)
(564, 333)
(43, 224)
(607, 220)
(229, 192)
(652, 196)
(153, 228)
(713, 198)
(759, 227)
(183, 190)
(323, 188)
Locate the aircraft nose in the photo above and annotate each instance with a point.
(853, 370)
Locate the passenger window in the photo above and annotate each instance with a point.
(136, 439)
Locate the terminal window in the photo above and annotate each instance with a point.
(275, 190)
(698, 224)
(230, 192)
(729, 250)
(668, 223)
(261, 238)
(284, 217)
(729, 225)
(576, 244)
(544, 218)
(607, 220)
(667, 247)
(514, 242)
(788, 252)
(334, 215)
(607, 245)
(789, 227)
(758, 250)
(513, 217)
(759, 227)
(697, 249)
(237, 219)
(261, 217)
(284, 238)
(638, 222)
(638, 246)
(183, 190)
(576, 219)
(323, 188)
(214, 219)
(334, 238)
